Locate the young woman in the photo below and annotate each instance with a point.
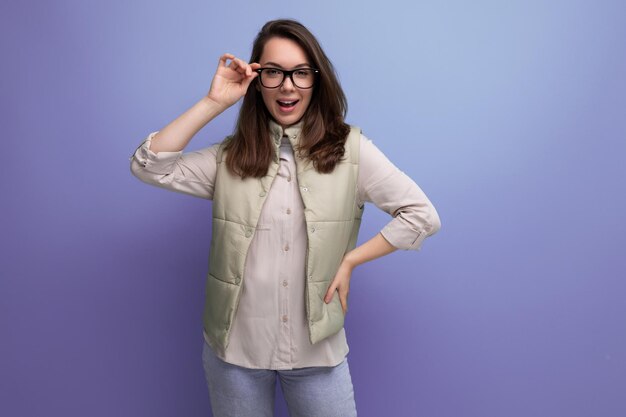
(288, 191)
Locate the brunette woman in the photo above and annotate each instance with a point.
(288, 189)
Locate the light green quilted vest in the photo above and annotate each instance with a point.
(333, 218)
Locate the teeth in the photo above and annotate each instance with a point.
(287, 103)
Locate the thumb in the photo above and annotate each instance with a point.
(246, 81)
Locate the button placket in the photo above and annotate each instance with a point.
(287, 235)
(283, 218)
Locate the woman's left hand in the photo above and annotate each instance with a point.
(341, 283)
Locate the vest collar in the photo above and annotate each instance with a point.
(292, 132)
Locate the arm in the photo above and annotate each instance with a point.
(391, 190)
(229, 84)
(190, 173)
(175, 136)
(159, 159)
(374, 248)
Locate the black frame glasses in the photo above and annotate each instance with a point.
(288, 73)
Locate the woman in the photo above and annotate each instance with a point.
(288, 190)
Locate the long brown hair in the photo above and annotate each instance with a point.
(324, 132)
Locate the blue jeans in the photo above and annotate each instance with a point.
(235, 391)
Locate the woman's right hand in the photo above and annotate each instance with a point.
(231, 81)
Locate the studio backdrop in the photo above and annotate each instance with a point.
(511, 116)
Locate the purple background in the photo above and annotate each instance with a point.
(511, 116)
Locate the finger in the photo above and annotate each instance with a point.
(249, 80)
(344, 303)
(245, 66)
(240, 66)
(223, 58)
(254, 66)
(329, 294)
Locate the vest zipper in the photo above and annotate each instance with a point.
(306, 292)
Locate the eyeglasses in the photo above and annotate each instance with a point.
(274, 77)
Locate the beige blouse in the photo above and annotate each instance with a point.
(270, 327)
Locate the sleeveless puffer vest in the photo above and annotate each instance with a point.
(333, 217)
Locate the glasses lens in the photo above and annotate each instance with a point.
(271, 77)
(304, 78)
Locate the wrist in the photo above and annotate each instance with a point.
(213, 107)
(349, 260)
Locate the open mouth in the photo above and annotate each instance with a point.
(287, 105)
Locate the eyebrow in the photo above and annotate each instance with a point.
(280, 66)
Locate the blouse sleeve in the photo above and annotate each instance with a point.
(190, 173)
(391, 190)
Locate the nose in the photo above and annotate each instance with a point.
(287, 84)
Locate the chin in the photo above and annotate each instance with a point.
(287, 121)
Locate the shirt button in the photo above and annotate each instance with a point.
(305, 189)
(288, 211)
(248, 233)
(288, 179)
(285, 319)
(286, 247)
(284, 283)
(312, 229)
(262, 194)
(310, 277)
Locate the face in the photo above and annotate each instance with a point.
(285, 54)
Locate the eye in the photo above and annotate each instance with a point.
(302, 73)
(272, 72)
